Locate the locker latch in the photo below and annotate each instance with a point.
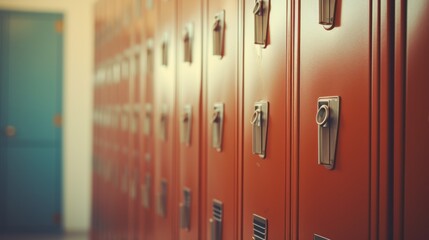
(163, 123)
(260, 228)
(327, 119)
(147, 119)
(162, 199)
(216, 221)
(262, 14)
(185, 210)
(146, 191)
(217, 126)
(188, 34)
(218, 33)
(327, 9)
(164, 51)
(260, 128)
(149, 56)
(186, 125)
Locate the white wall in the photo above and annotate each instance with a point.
(77, 108)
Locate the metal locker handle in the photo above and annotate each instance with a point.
(218, 33)
(163, 123)
(260, 128)
(217, 126)
(187, 42)
(164, 50)
(147, 119)
(327, 10)
(327, 119)
(261, 13)
(186, 125)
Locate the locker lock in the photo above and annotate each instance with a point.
(327, 9)
(217, 126)
(259, 123)
(261, 13)
(327, 119)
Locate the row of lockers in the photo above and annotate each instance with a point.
(261, 119)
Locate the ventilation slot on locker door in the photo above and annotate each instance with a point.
(216, 220)
(185, 210)
(162, 199)
(147, 119)
(259, 228)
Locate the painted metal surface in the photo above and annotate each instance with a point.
(264, 179)
(340, 62)
(31, 87)
(416, 194)
(222, 88)
(188, 115)
(165, 125)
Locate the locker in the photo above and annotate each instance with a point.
(221, 122)
(147, 203)
(165, 181)
(188, 117)
(416, 195)
(341, 166)
(264, 120)
(134, 151)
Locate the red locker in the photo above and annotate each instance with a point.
(147, 183)
(415, 208)
(165, 181)
(221, 122)
(342, 109)
(264, 123)
(188, 117)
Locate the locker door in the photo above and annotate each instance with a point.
(188, 118)
(337, 179)
(165, 181)
(147, 183)
(134, 151)
(221, 122)
(416, 210)
(264, 123)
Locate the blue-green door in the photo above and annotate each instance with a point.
(30, 121)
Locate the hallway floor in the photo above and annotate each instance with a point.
(80, 236)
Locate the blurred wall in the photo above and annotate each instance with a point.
(77, 93)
